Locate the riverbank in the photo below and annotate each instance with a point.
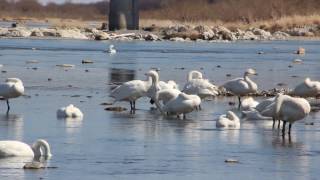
(159, 31)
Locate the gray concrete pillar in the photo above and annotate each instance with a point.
(124, 14)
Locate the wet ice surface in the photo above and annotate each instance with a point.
(145, 145)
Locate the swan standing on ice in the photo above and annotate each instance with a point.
(12, 88)
(69, 112)
(182, 104)
(112, 50)
(199, 86)
(131, 91)
(307, 89)
(17, 148)
(229, 120)
(289, 109)
(242, 86)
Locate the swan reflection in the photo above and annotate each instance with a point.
(14, 124)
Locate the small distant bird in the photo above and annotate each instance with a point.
(12, 88)
(111, 49)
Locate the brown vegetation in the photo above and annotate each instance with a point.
(33, 9)
(268, 14)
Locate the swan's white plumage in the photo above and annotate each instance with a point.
(198, 86)
(130, 91)
(242, 86)
(308, 88)
(264, 104)
(287, 108)
(248, 103)
(112, 50)
(69, 111)
(229, 120)
(12, 88)
(182, 104)
(167, 95)
(17, 148)
(291, 109)
(253, 114)
(168, 85)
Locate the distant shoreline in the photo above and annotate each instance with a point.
(152, 30)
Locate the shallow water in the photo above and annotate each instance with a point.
(145, 145)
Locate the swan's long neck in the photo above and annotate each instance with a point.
(251, 84)
(41, 148)
(155, 80)
(278, 100)
(192, 73)
(308, 82)
(232, 117)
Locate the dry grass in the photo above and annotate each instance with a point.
(67, 23)
(271, 25)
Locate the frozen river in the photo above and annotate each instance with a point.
(109, 145)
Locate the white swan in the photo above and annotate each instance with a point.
(12, 88)
(289, 109)
(242, 86)
(131, 91)
(17, 148)
(167, 95)
(168, 85)
(229, 120)
(69, 112)
(264, 104)
(248, 103)
(182, 104)
(253, 114)
(198, 86)
(158, 85)
(307, 88)
(112, 50)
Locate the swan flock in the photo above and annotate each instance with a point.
(169, 100)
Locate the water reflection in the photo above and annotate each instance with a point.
(15, 125)
(119, 76)
(72, 125)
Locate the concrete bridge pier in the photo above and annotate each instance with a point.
(124, 14)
